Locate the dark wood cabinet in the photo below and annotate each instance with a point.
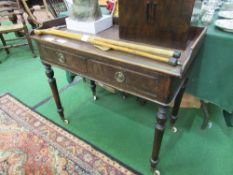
(162, 22)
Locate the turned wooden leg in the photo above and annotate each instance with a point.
(176, 108)
(29, 42)
(158, 136)
(228, 118)
(206, 115)
(53, 86)
(4, 43)
(93, 89)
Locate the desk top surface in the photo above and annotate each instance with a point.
(112, 33)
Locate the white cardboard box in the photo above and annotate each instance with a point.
(92, 27)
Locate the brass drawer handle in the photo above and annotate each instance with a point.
(61, 58)
(119, 77)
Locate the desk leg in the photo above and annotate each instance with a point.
(158, 136)
(206, 115)
(176, 107)
(53, 86)
(93, 89)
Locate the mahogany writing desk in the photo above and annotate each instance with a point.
(152, 80)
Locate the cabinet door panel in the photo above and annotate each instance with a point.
(162, 22)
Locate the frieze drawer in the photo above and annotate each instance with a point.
(125, 79)
(64, 58)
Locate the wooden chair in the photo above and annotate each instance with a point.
(11, 10)
(30, 12)
(53, 8)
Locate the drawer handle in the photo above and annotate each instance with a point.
(119, 77)
(61, 58)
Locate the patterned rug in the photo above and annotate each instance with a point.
(32, 145)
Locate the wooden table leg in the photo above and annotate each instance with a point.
(228, 118)
(4, 43)
(29, 42)
(93, 89)
(205, 115)
(176, 107)
(53, 86)
(158, 136)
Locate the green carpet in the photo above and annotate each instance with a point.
(122, 128)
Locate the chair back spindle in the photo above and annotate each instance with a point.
(56, 7)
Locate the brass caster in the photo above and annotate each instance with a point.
(174, 129)
(94, 98)
(156, 172)
(66, 121)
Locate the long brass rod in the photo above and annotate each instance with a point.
(131, 51)
(110, 44)
(153, 50)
